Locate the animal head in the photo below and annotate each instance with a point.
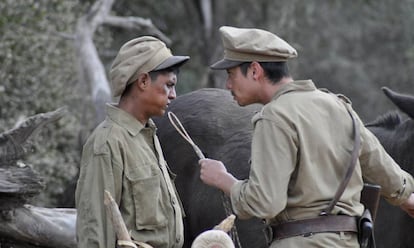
(395, 131)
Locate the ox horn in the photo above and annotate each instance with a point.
(216, 237)
(404, 102)
(226, 224)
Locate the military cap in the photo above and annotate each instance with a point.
(140, 55)
(250, 44)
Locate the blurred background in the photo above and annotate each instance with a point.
(350, 47)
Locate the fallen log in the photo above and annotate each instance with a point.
(22, 225)
(41, 227)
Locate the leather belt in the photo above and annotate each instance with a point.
(329, 223)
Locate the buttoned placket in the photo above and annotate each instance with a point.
(174, 200)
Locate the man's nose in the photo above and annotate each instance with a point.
(228, 84)
(172, 94)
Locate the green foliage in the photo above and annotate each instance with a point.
(38, 75)
(350, 47)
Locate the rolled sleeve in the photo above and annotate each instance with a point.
(379, 168)
(235, 193)
(407, 190)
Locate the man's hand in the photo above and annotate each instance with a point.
(214, 173)
(408, 206)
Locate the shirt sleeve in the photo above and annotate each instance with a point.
(94, 227)
(264, 194)
(379, 168)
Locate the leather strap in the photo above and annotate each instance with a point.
(351, 164)
(330, 223)
(327, 222)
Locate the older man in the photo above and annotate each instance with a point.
(123, 154)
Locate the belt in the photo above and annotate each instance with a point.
(329, 223)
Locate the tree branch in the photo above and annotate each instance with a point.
(136, 23)
(90, 66)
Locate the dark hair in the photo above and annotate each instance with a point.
(153, 75)
(274, 71)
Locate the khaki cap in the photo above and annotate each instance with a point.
(250, 44)
(140, 55)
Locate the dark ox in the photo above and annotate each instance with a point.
(223, 131)
(394, 228)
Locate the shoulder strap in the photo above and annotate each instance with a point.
(351, 165)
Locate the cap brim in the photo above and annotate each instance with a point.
(172, 61)
(225, 64)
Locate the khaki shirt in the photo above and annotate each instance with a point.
(301, 146)
(125, 158)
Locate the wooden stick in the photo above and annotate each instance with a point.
(117, 221)
(119, 225)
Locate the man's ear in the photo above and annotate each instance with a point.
(143, 80)
(256, 69)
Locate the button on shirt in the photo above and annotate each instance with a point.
(125, 158)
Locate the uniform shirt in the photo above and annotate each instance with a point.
(301, 146)
(125, 158)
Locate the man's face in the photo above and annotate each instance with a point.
(241, 86)
(161, 92)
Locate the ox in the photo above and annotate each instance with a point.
(396, 133)
(223, 131)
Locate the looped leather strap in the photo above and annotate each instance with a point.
(226, 201)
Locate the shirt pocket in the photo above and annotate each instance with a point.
(147, 201)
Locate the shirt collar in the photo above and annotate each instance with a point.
(300, 85)
(125, 120)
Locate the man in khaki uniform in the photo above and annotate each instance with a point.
(301, 146)
(123, 154)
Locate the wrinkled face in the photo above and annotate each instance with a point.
(241, 86)
(160, 93)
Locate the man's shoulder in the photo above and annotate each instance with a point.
(270, 112)
(104, 135)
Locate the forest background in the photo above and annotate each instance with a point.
(350, 47)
